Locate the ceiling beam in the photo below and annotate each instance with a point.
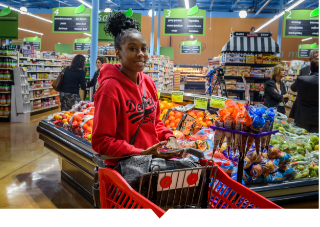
(235, 4)
(265, 4)
(211, 4)
(312, 4)
(139, 3)
(261, 2)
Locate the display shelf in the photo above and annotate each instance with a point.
(107, 55)
(5, 92)
(240, 77)
(35, 89)
(9, 56)
(45, 97)
(40, 59)
(6, 80)
(44, 108)
(41, 79)
(22, 64)
(4, 116)
(7, 68)
(251, 65)
(151, 71)
(65, 59)
(5, 104)
(43, 71)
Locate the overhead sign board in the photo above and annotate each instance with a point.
(190, 47)
(81, 44)
(32, 41)
(305, 49)
(183, 21)
(9, 20)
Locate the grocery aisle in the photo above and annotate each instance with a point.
(30, 173)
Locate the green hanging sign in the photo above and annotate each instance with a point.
(304, 49)
(102, 36)
(81, 44)
(9, 20)
(301, 24)
(32, 41)
(71, 20)
(183, 21)
(190, 47)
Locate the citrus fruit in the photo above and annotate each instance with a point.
(204, 124)
(200, 114)
(56, 116)
(168, 126)
(165, 103)
(167, 122)
(162, 107)
(169, 105)
(165, 111)
(65, 121)
(172, 125)
(178, 114)
(209, 123)
(177, 120)
(171, 113)
(172, 118)
(200, 119)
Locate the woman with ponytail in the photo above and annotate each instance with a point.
(127, 111)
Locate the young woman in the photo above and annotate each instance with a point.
(74, 76)
(119, 100)
(100, 60)
(275, 91)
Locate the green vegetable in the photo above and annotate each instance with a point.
(298, 157)
(308, 147)
(311, 144)
(316, 147)
(293, 146)
(305, 173)
(313, 174)
(300, 144)
(301, 150)
(285, 148)
(310, 166)
(300, 167)
(281, 129)
(316, 168)
(297, 176)
(276, 125)
(274, 141)
(286, 127)
(314, 139)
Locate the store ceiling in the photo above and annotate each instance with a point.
(214, 5)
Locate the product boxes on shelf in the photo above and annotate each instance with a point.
(230, 81)
(231, 60)
(231, 87)
(267, 73)
(258, 59)
(266, 59)
(257, 74)
(240, 86)
(257, 87)
(275, 60)
(249, 59)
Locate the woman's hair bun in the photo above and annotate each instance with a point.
(119, 22)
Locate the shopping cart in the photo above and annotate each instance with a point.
(222, 192)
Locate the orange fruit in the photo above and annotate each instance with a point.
(200, 119)
(165, 103)
(176, 124)
(200, 114)
(172, 118)
(204, 124)
(65, 121)
(209, 123)
(177, 120)
(172, 125)
(178, 114)
(172, 113)
(162, 107)
(165, 111)
(167, 122)
(56, 116)
(168, 126)
(169, 105)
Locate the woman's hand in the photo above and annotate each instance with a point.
(286, 96)
(173, 144)
(155, 153)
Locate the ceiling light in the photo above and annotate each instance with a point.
(279, 15)
(26, 30)
(306, 39)
(87, 34)
(186, 3)
(243, 14)
(24, 9)
(29, 14)
(150, 13)
(107, 10)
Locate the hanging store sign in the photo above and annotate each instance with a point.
(183, 21)
(190, 47)
(301, 24)
(71, 20)
(32, 41)
(9, 24)
(102, 36)
(305, 49)
(81, 44)
(252, 34)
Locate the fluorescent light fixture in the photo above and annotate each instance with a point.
(150, 13)
(243, 14)
(23, 9)
(306, 39)
(87, 34)
(186, 3)
(86, 4)
(191, 36)
(29, 14)
(26, 30)
(279, 15)
(63, 2)
(107, 10)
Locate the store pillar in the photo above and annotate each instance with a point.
(280, 26)
(152, 28)
(94, 37)
(159, 25)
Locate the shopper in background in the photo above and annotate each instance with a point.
(100, 60)
(119, 105)
(73, 78)
(306, 113)
(252, 29)
(275, 91)
(306, 70)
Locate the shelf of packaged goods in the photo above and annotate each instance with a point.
(40, 88)
(40, 59)
(6, 80)
(9, 56)
(43, 108)
(251, 65)
(107, 55)
(43, 71)
(239, 77)
(7, 68)
(41, 79)
(5, 92)
(4, 116)
(188, 72)
(5, 104)
(22, 64)
(66, 60)
(151, 71)
(50, 96)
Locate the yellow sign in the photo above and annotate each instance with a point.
(217, 102)
(177, 96)
(158, 94)
(200, 102)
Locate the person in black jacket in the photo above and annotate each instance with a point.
(100, 60)
(275, 91)
(306, 113)
(73, 78)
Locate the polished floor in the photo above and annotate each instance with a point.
(30, 173)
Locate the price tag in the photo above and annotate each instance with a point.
(28, 59)
(217, 101)
(158, 94)
(200, 102)
(177, 96)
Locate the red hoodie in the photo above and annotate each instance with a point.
(118, 111)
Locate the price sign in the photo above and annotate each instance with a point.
(200, 102)
(158, 94)
(217, 102)
(177, 96)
